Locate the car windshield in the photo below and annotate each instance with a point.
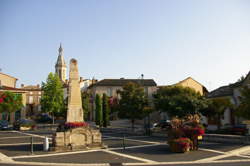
(240, 126)
(3, 122)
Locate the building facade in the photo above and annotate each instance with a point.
(192, 83)
(232, 92)
(111, 86)
(33, 98)
(8, 83)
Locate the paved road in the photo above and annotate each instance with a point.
(139, 150)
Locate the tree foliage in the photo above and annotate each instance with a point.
(98, 108)
(243, 109)
(179, 101)
(132, 102)
(85, 104)
(216, 108)
(105, 109)
(10, 102)
(52, 98)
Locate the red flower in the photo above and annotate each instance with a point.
(1, 100)
(75, 124)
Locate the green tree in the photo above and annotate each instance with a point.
(105, 109)
(132, 102)
(243, 109)
(179, 101)
(98, 108)
(85, 104)
(10, 102)
(216, 108)
(52, 100)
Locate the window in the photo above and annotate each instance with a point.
(31, 99)
(110, 92)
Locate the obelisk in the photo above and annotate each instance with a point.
(75, 111)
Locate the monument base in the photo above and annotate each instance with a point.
(80, 138)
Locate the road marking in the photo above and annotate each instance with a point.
(55, 164)
(55, 154)
(17, 144)
(14, 137)
(129, 156)
(235, 152)
(149, 142)
(112, 137)
(211, 150)
(4, 158)
(134, 147)
(34, 135)
(188, 162)
(85, 151)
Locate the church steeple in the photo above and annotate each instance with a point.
(61, 65)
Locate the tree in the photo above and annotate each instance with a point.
(114, 107)
(52, 100)
(98, 115)
(10, 102)
(179, 101)
(216, 108)
(105, 109)
(85, 104)
(132, 102)
(243, 109)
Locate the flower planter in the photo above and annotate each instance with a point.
(180, 145)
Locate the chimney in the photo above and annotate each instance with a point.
(38, 86)
(22, 85)
(81, 79)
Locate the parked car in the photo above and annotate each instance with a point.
(4, 125)
(162, 125)
(240, 129)
(24, 124)
(44, 118)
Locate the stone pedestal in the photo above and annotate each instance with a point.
(76, 139)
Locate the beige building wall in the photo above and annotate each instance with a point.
(7, 80)
(189, 82)
(32, 99)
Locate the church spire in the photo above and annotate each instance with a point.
(60, 50)
(61, 65)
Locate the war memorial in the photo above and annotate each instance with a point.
(75, 133)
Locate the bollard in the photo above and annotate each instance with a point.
(31, 145)
(123, 141)
(46, 144)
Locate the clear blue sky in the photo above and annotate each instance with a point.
(168, 41)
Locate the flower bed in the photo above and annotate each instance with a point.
(70, 125)
(184, 134)
(180, 145)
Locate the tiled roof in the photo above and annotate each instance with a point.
(7, 88)
(221, 91)
(122, 82)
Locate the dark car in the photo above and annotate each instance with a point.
(162, 125)
(4, 125)
(44, 118)
(240, 129)
(24, 124)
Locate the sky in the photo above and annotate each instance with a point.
(165, 40)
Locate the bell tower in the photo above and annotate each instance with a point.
(60, 66)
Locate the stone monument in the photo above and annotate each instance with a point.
(75, 133)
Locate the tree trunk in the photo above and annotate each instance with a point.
(133, 124)
(218, 122)
(53, 118)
